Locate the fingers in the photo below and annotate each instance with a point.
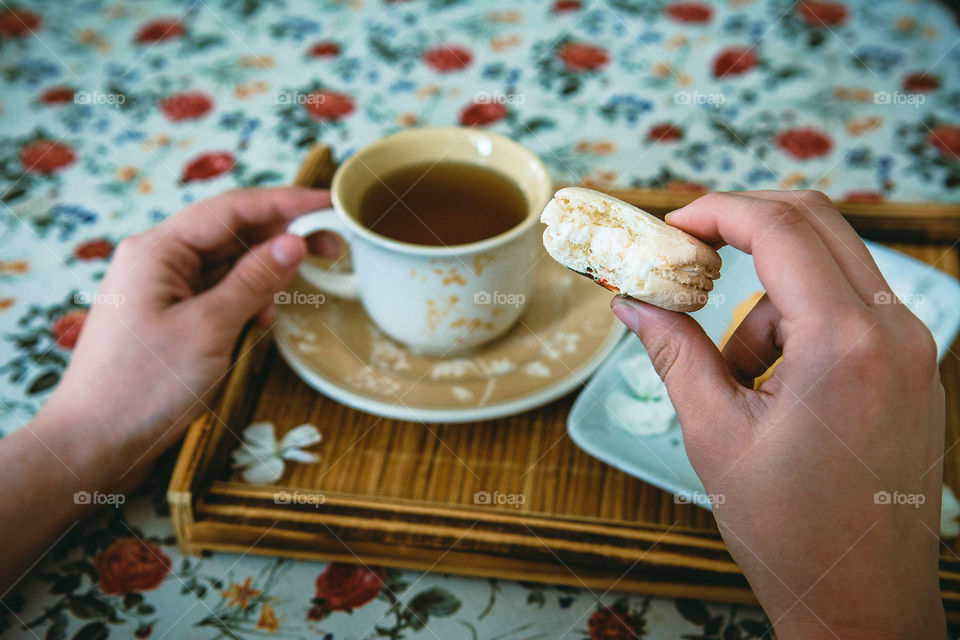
(755, 344)
(797, 270)
(250, 285)
(325, 243)
(841, 240)
(227, 222)
(685, 358)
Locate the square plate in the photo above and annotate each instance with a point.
(661, 459)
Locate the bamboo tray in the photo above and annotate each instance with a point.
(400, 493)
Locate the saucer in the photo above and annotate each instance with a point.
(564, 335)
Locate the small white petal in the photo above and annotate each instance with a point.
(300, 455)
(302, 436)
(265, 472)
(260, 436)
(244, 457)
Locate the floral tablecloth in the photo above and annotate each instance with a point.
(114, 116)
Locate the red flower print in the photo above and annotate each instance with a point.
(689, 12)
(328, 105)
(823, 14)
(480, 114)
(129, 565)
(208, 165)
(664, 132)
(56, 95)
(921, 82)
(863, 195)
(563, 6)
(945, 138)
(159, 30)
(189, 105)
(324, 49)
(143, 631)
(734, 61)
(344, 587)
(19, 23)
(804, 143)
(98, 249)
(577, 56)
(66, 329)
(609, 623)
(46, 156)
(448, 57)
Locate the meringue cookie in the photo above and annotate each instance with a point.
(627, 250)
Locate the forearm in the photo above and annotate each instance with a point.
(50, 471)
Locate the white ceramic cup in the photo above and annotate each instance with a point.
(435, 299)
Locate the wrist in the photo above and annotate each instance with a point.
(79, 444)
(860, 614)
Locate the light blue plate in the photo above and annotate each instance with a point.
(661, 460)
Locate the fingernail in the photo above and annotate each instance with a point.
(287, 250)
(625, 312)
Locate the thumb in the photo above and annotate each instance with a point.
(697, 379)
(255, 278)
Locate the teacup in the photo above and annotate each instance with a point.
(434, 299)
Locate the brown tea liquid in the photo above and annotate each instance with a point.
(446, 203)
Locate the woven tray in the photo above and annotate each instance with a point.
(401, 494)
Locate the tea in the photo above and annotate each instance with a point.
(446, 203)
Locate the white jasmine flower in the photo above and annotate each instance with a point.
(261, 456)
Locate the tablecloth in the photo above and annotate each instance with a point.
(115, 116)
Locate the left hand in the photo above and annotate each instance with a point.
(148, 365)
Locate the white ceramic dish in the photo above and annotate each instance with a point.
(660, 459)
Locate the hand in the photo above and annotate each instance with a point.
(144, 367)
(147, 366)
(855, 408)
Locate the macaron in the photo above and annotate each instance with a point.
(629, 251)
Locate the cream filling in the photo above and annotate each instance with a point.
(588, 241)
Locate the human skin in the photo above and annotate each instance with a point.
(856, 407)
(145, 367)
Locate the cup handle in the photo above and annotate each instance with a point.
(342, 285)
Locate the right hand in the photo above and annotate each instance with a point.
(855, 408)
